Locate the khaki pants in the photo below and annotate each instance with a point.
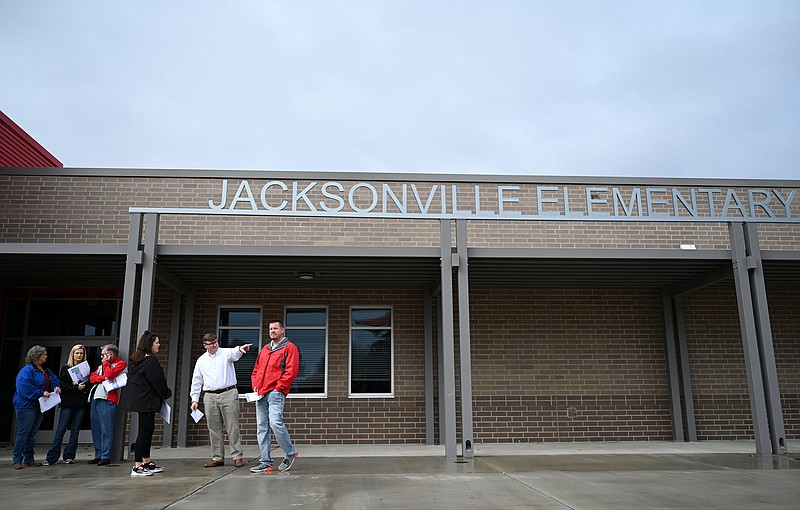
(222, 414)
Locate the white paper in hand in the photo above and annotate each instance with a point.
(166, 412)
(196, 415)
(47, 403)
(79, 372)
(119, 382)
(252, 397)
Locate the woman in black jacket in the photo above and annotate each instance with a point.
(74, 398)
(145, 394)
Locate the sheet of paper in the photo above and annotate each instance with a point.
(166, 412)
(196, 415)
(47, 403)
(120, 382)
(252, 397)
(79, 372)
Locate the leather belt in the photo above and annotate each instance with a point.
(223, 390)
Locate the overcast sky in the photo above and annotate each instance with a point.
(700, 88)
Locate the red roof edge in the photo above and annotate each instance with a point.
(25, 137)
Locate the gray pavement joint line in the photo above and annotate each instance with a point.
(198, 489)
(538, 491)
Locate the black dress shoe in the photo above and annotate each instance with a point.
(93, 461)
(103, 462)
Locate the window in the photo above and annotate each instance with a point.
(371, 352)
(15, 318)
(307, 328)
(238, 326)
(73, 317)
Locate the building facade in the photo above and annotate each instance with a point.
(18, 148)
(427, 308)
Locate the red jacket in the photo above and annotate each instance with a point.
(111, 369)
(276, 368)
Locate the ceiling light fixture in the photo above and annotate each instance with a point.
(306, 275)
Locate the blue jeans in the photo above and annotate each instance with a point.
(28, 421)
(72, 418)
(269, 417)
(104, 413)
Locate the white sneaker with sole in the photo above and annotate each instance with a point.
(140, 471)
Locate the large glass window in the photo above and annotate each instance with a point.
(307, 328)
(15, 318)
(78, 317)
(238, 326)
(371, 352)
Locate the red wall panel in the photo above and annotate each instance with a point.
(18, 149)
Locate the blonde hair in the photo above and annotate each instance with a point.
(71, 359)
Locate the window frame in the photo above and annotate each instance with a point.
(326, 328)
(350, 329)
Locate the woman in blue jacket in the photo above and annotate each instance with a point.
(34, 381)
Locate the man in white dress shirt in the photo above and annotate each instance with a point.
(215, 376)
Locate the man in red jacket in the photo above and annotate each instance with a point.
(276, 368)
(104, 403)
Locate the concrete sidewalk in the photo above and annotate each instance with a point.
(666, 475)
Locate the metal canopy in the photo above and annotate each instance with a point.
(586, 273)
(280, 271)
(60, 270)
(361, 271)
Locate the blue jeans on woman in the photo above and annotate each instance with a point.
(104, 413)
(28, 422)
(269, 417)
(72, 418)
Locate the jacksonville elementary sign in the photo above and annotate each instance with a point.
(500, 202)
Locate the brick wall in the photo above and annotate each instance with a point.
(336, 419)
(78, 209)
(716, 358)
(596, 235)
(548, 365)
(785, 320)
(568, 365)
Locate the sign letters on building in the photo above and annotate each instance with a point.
(505, 202)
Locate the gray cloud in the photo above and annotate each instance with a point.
(677, 88)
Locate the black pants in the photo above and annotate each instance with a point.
(144, 438)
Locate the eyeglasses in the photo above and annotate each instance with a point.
(210, 343)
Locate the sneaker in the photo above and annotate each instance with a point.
(141, 471)
(286, 463)
(69, 461)
(33, 463)
(46, 463)
(93, 461)
(151, 466)
(261, 468)
(104, 462)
